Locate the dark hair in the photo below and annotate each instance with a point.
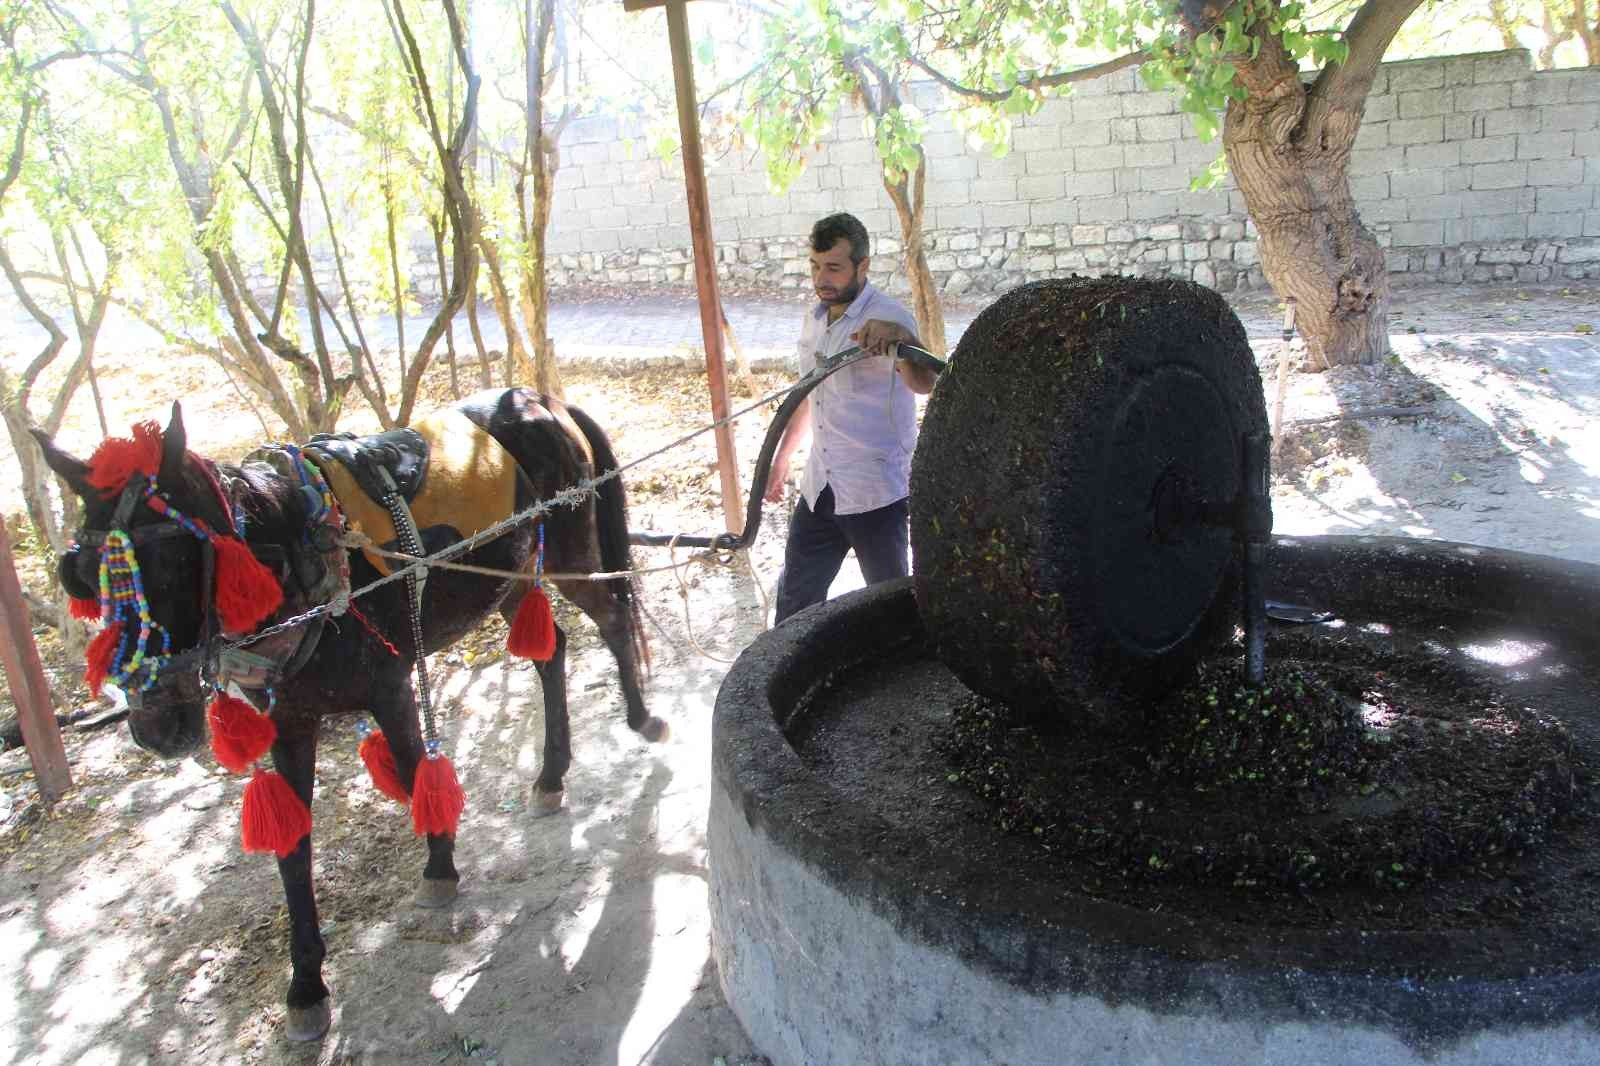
(826, 233)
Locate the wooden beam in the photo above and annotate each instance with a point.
(29, 689)
(705, 251)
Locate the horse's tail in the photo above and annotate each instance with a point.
(611, 512)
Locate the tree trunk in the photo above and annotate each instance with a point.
(1312, 242)
(907, 196)
(1289, 149)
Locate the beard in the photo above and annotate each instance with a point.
(841, 297)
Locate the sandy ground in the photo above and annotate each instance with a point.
(133, 930)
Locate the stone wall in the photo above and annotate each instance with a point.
(1467, 167)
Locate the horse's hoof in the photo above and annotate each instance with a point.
(309, 1023)
(433, 894)
(655, 729)
(548, 803)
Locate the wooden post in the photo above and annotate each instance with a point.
(705, 251)
(29, 689)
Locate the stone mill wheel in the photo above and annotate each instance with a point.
(1071, 493)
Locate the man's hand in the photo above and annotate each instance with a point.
(875, 335)
(776, 477)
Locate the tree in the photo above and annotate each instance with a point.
(1551, 23)
(817, 56)
(1286, 135)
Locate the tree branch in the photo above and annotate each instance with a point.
(1038, 81)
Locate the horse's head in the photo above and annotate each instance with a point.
(151, 552)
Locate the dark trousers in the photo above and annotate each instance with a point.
(819, 539)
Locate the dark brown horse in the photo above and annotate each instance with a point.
(362, 661)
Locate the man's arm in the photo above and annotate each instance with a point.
(796, 433)
(875, 335)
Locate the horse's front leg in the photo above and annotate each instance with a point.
(294, 754)
(394, 705)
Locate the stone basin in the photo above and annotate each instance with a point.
(859, 915)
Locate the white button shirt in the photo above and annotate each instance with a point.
(863, 418)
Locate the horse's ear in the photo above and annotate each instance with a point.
(75, 472)
(174, 445)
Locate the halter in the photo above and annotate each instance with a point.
(122, 595)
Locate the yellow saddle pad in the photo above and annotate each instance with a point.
(469, 485)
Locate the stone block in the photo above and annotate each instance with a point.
(1164, 179)
(1159, 128)
(1057, 161)
(1095, 183)
(1148, 155)
(1231, 231)
(1492, 97)
(948, 193)
(1011, 165)
(1384, 209)
(1499, 175)
(1380, 108)
(1560, 226)
(1539, 91)
(1127, 179)
(1513, 65)
(1066, 261)
(1052, 212)
(1557, 145)
(597, 174)
(1008, 215)
(1585, 84)
(1414, 183)
(993, 190)
(1095, 110)
(950, 169)
(1196, 153)
(1459, 127)
(1496, 202)
(1514, 120)
(1166, 231)
(1425, 208)
(1428, 130)
(1489, 150)
(592, 199)
(1415, 74)
(1035, 138)
(1108, 157)
(1366, 161)
(635, 215)
(587, 153)
(1556, 172)
(1556, 198)
(963, 242)
(1149, 102)
(1417, 234)
(1579, 253)
(1372, 187)
(1122, 131)
(1499, 227)
(600, 240)
(1196, 250)
(1034, 187)
(1152, 205)
(1246, 253)
(601, 128)
(1424, 103)
(1372, 135)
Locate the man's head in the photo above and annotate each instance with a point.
(840, 252)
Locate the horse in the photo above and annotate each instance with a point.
(172, 512)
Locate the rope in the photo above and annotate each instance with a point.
(683, 593)
(566, 497)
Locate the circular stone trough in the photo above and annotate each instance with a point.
(865, 910)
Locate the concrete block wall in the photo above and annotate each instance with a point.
(1467, 168)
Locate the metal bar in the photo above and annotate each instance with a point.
(705, 264)
(29, 689)
(1255, 532)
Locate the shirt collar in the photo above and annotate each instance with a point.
(857, 307)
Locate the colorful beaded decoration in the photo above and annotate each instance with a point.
(122, 599)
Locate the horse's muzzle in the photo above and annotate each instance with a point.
(168, 719)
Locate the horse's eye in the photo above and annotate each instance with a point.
(78, 575)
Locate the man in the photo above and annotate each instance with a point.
(862, 421)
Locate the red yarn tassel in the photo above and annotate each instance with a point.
(247, 592)
(98, 659)
(436, 798)
(240, 734)
(117, 459)
(533, 632)
(274, 819)
(385, 774)
(88, 610)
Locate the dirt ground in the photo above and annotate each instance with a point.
(133, 930)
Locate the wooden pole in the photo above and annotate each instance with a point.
(705, 261)
(29, 689)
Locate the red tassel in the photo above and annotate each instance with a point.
(247, 592)
(88, 610)
(274, 819)
(240, 734)
(533, 632)
(98, 658)
(381, 768)
(117, 459)
(436, 798)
